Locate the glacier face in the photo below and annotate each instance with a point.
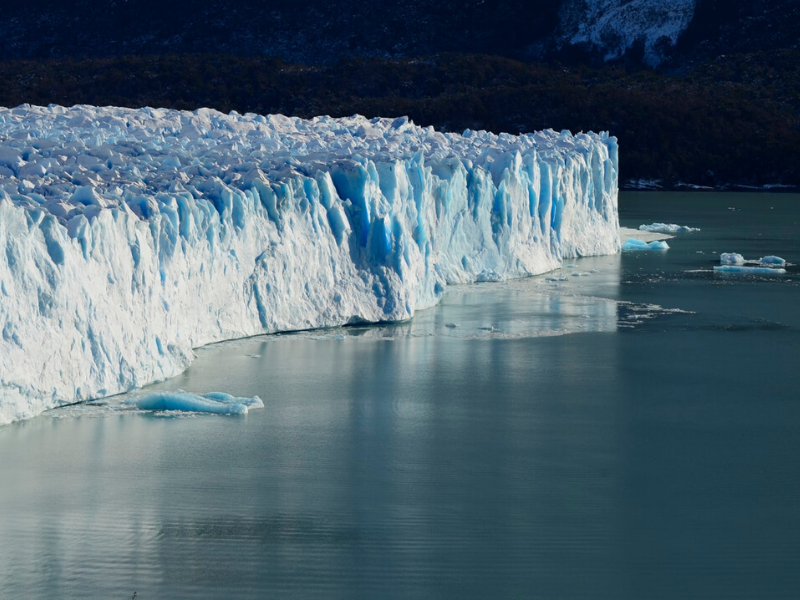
(130, 237)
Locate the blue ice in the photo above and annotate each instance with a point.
(743, 270)
(772, 260)
(634, 244)
(213, 402)
(669, 228)
(731, 258)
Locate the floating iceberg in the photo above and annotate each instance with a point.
(213, 402)
(776, 261)
(731, 258)
(634, 244)
(668, 228)
(130, 237)
(745, 270)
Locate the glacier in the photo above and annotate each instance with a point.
(128, 237)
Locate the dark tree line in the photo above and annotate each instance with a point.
(731, 121)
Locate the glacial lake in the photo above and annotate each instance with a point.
(628, 427)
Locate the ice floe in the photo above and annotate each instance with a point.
(213, 402)
(638, 245)
(668, 228)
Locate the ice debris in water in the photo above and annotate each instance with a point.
(747, 270)
(731, 258)
(634, 244)
(667, 228)
(130, 237)
(213, 402)
(772, 260)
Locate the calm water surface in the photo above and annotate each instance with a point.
(632, 433)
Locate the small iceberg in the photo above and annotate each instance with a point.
(744, 270)
(669, 228)
(634, 244)
(731, 258)
(776, 261)
(732, 262)
(214, 402)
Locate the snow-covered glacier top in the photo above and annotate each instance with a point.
(65, 159)
(129, 237)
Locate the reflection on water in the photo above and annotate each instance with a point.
(532, 307)
(652, 454)
(379, 471)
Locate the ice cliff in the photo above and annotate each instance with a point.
(129, 237)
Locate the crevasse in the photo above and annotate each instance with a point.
(130, 237)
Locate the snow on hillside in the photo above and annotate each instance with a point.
(613, 26)
(130, 237)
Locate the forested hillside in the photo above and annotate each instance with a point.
(732, 121)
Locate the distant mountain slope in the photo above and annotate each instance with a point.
(614, 27)
(312, 31)
(322, 31)
(740, 26)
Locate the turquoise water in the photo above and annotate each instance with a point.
(630, 433)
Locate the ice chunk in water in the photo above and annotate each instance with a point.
(743, 270)
(213, 402)
(731, 258)
(669, 228)
(634, 244)
(772, 260)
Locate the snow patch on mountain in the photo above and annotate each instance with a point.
(615, 26)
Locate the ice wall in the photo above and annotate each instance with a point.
(129, 237)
